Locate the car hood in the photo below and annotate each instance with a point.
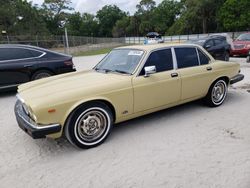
(78, 82)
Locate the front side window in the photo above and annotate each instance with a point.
(161, 59)
(121, 61)
(209, 43)
(217, 42)
(186, 57)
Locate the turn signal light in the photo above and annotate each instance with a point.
(52, 110)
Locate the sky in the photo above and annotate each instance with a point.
(92, 6)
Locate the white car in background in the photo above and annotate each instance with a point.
(153, 38)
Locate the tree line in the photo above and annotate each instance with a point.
(170, 17)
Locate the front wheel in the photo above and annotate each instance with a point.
(248, 59)
(217, 93)
(89, 125)
(227, 56)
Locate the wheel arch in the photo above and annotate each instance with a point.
(40, 69)
(225, 78)
(81, 103)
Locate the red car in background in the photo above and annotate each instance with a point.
(241, 45)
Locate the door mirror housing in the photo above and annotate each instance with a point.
(149, 70)
(207, 46)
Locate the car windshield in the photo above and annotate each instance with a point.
(244, 37)
(120, 60)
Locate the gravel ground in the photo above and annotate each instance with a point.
(182, 147)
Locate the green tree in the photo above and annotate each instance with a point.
(55, 13)
(74, 23)
(165, 15)
(144, 14)
(89, 25)
(19, 17)
(121, 27)
(198, 16)
(107, 18)
(235, 15)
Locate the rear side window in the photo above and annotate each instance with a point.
(217, 42)
(17, 53)
(186, 57)
(204, 60)
(35, 53)
(161, 59)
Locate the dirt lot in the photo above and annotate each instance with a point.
(186, 146)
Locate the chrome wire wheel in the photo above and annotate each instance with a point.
(219, 92)
(92, 126)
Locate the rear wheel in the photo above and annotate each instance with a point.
(41, 74)
(89, 125)
(217, 93)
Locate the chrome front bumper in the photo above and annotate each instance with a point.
(30, 127)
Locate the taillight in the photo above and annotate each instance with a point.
(68, 63)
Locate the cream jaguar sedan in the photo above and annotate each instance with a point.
(129, 82)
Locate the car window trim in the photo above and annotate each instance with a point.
(198, 56)
(146, 58)
(209, 60)
(43, 53)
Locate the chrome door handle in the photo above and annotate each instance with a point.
(209, 68)
(174, 75)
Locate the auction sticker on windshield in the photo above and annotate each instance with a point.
(135, 52)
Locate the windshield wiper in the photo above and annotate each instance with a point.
(109, 70)
(104, 70)
(120, 71)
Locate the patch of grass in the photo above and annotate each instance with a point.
(93, 52)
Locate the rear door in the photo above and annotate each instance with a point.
(195, 71)
(15, 65)
(219, 49)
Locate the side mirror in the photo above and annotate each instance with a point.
(149, 70)
(207, 46)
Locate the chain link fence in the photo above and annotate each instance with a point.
(180, 38)
(79, 44)
(58, 43)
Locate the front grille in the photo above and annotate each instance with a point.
(239, 46)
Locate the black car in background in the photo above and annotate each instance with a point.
(216, 45)
(23, 63)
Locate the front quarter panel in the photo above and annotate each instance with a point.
(119, 94)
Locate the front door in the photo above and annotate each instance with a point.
(158, 89)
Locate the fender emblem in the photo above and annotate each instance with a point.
(125, 112)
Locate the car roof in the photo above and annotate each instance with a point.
(151, 47)
(31, 47)
(20, 46)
